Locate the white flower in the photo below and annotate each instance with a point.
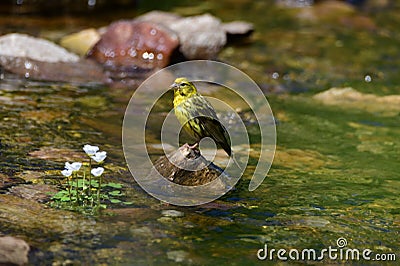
(97, 171)
(66, 172)
(99, 156)
(73, 166)
(90, 150)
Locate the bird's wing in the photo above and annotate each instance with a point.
(215, 130)
(208, 121)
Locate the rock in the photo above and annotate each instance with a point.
(81, 42)
(201, 37)
(160, 17)
(83, 71)
(58, 155)
(8, 181)
(188, 167)
(351, 98)
(135, 44)
(241, 28)
(13, 251)
(37, 192)
(172, 213)
(21, 45)
(38, 221)
(178, 255)
(142, 232)
(294, 3)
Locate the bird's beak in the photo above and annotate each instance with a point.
(173, 86)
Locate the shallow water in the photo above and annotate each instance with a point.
(335, 172)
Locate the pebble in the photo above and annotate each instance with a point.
(172, 213)
(13, 251)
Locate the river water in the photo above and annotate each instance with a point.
(335, 173)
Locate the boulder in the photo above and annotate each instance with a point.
(130, 44)
(200, 37)
(22, 45)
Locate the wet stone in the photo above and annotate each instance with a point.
(238, 28)
(172, 213)
(201, 37)
(81, 42)
(83, 71)
(142, 232)
(157, 16)
(22, 45)
(129, 44)
(8, 181)
(177, 255)
(13, 251)
(36, 192)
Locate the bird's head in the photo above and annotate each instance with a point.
(183, 88)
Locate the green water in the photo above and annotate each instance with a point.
(335, 173)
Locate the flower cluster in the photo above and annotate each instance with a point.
(79, 188)
(94, 153)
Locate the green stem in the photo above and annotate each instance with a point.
(83, 183)
(90, 176)
(77, 188)
(69, 189)
(98, 193)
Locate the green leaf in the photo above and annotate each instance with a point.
(60, 194)
(128, 202)
(65, 198)
(104, 196)
(115, 201)
(115, 193)
(113, 185)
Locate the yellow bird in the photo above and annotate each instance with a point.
(197, 116)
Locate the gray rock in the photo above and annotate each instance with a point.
(172, 213)
(238, 27)
(160, 17)
(22, 45)
(13, 251)
(201, 37)
(177, 255)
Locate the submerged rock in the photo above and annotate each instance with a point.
(9, 181)
(13, 251)
(172, 213)
(129, 44)
(178, 256)
(36, 192)
(83, 71)
(351, 98)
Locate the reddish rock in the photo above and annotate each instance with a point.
(130, 44)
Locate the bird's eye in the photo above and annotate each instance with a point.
(183, 84)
